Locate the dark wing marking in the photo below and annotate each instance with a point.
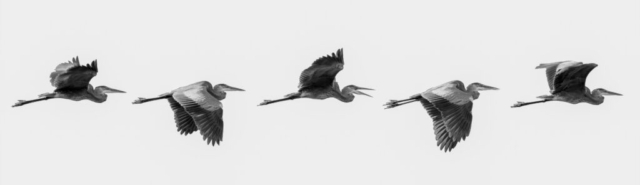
(322, 72)
(572, 78)
(205, 110)
(73, 75)
(454, 119)
(183, 120)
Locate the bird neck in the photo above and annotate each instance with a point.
(218, 93)
(345, 95)
(471, 89)
(594, 97)
(96, 95)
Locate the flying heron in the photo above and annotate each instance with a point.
(319, 82)
(567, 83)
(197, 107)
(71, 81)
(449, 105)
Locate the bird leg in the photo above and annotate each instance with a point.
(291, 96)
(395, 103)
(144, 100)
(24, 102)
(520, 104)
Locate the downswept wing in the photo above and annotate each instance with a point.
(205, 110)
(572, 78)
(73, 75)
(322, 73)
(455, 115)
(183, 120)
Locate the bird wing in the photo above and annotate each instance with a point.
(450, 109)
(183, 120)
(572, 77)
(552, 70)
(323, 71)
(73, 75)
(205, 110)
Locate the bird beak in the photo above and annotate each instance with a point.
(110, 90)
(486, 87)
(229, 88)
(613, 93)
(356, 91)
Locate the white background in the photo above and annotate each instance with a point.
(399, 48)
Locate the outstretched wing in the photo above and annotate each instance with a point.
(205, 110)
(322, 72)
(450, 110)
(183, 120)
(572, 78)
(73, 75)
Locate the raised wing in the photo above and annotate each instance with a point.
(450, 109)
(322, 73)
(555, 68)
(572, 78)
(73, 75)
(183, 120)
(205, 110)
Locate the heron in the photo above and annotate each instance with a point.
(197, 107)
(319, 82)
(449, 105)
(566, 80)
(71, 81)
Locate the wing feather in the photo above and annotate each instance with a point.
(183, 120)
(205, 110)
(450, 110)
(73, 75)
(572, 78)
(322, 72)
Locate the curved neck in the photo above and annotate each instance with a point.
(96, 95)
(345, 95)
(217, 92)
(471, 89)
(594, 97)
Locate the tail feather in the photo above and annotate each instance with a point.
(50, 95)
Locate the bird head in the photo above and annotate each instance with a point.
(356, 90)
(602, 91)
(105, 89)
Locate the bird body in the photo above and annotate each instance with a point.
(449, 105)
(319, 81)
(566, 80)
(197, 107)
(71, 81)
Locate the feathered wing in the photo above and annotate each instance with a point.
(572, 78)
(73, 75)
(205, 110)
(183, 120)
(451, 115)
(322, 72)
(555, 68)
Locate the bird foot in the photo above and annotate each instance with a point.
(518, 104)
(138, 101)
(265, 102)
(391, 104)
(19, 103)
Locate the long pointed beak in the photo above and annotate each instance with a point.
(490, 88)
(361, 93)
(110, 90)
(229, 88)
(614, 93)
(364, 88)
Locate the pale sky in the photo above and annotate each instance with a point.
(399, 48)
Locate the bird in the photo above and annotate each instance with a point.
(319, 82)
(71, 81)
(197, 107)
(449, 105)
(566, 80)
